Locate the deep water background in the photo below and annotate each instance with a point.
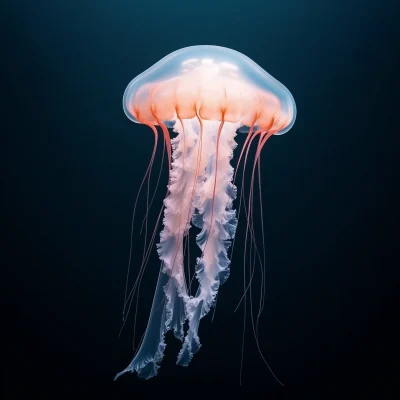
(73, 164)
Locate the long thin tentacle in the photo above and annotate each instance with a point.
(134, 213)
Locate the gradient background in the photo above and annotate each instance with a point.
(73, 163)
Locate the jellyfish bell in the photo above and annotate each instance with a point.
(214, 83)
(205, 94)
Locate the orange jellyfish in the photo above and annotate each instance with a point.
(205, 94)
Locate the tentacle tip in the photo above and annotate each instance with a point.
(120, 373)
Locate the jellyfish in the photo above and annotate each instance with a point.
(204, 95)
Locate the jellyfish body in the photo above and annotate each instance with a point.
(205, 93)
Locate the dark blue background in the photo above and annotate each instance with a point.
(73, 164)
